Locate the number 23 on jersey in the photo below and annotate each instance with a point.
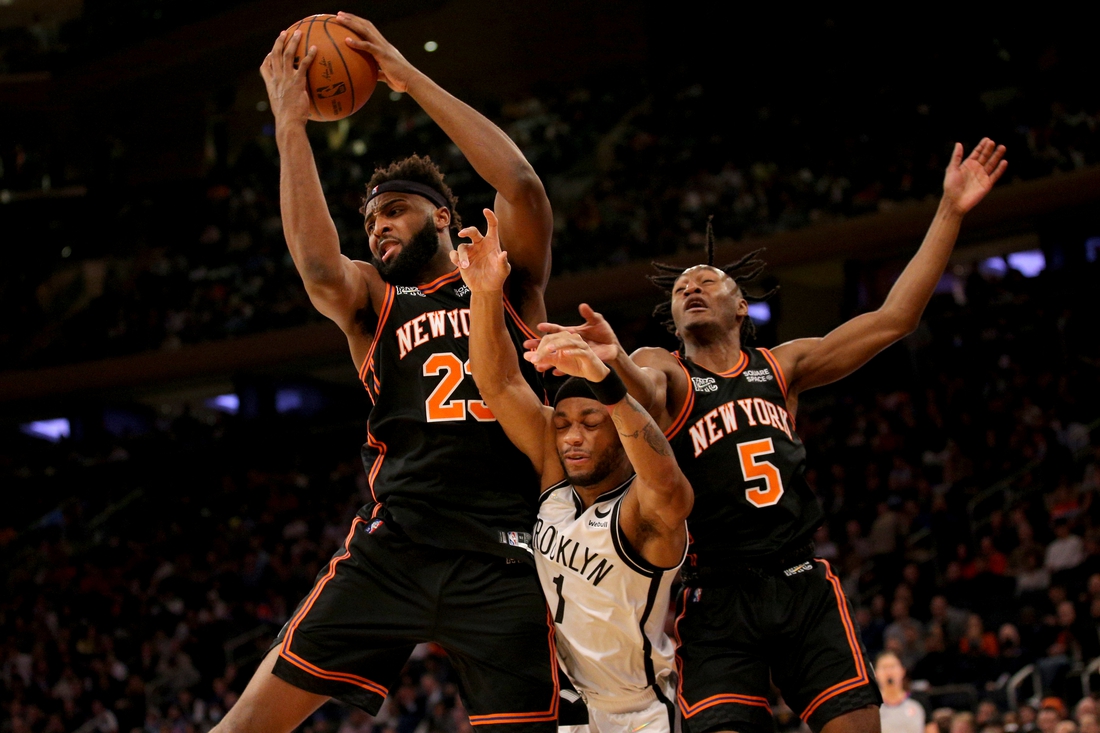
(440, 406)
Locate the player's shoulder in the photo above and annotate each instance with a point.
(655, 357)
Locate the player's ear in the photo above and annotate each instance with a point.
(442, 218)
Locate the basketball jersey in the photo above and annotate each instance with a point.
(435, 456)
(609, 604)
(736, 443)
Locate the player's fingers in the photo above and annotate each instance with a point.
(290, 50)
(551, 328)
(490, 223)
(998, 171)
(277, 47)
(502, 260)
(359, 45)
(453, 254)
(995, 159)
(463, 255)
(471, 233)
(956, 156)
(304, 63)
(590, 316)
(978, 151)
(531, 344)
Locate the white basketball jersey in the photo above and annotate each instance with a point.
(608, 603)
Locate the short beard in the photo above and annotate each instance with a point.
(601, 470)
(407, 267)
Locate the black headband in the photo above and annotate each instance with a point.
(574, 387)
(400, 186)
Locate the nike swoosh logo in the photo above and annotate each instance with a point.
(600, 514)
(643, 725)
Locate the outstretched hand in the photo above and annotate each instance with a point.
(567, 353)
(595, 330)
(286, 83)
(393, 68)
(968, 181)
(482, 263)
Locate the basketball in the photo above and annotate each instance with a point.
(341, 79)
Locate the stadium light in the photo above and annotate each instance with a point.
(288, 399)
(760, 312)
(1029, 262)
(52, 430)
(228, 403)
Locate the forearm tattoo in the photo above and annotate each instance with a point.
(653, 437)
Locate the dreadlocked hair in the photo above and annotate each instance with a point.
(419, 170)
(744, 270)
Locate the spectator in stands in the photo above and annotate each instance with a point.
(1066, 551)
(963, 723)
(903, 636)
(1051, 713)
(952, 621)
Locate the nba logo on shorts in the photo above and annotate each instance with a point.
(375, 524)
(513, 539)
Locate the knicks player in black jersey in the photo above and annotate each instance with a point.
(442, 553)
(757, 605)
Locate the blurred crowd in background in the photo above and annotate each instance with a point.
(632, 170)
(960, 472)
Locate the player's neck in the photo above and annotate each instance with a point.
(717, 355)
(589, 494)
(439, 265)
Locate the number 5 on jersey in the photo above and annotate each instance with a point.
(440, 406)
(752, 467)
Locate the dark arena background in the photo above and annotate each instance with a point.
(181, 429)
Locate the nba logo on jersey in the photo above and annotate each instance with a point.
(704, 384)
(696, 595)
(375, 524)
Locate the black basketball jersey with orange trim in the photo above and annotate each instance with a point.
(435, 456)
(737, 445)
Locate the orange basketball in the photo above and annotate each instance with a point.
(341, 79)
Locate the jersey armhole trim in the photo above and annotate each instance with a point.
(379, 446)
(626, 551)
(779, 375)
(527, 331)
(387, 306)
(551, 489)
(689, 403)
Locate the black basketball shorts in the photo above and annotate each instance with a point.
(382, 594)
(793, 627)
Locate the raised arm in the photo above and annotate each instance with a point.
(494, 363)
(652, 376)
(812, 362)
(526, 222)
(336, 286)
(660, 499)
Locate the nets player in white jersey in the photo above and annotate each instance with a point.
(611, 530)
(442, 552)
(758, 607)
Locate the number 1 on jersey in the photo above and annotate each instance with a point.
(754, 468)
(559, 614)
(440, 406)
